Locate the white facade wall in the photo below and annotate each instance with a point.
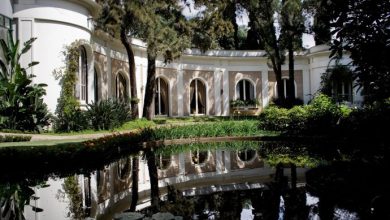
(6, 8)
(55, 205)
(58, 23)
(55, 24)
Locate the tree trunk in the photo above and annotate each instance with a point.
(153, 175)
(134, 186)
(291, 85)
(275, 55)
(133, 80)
(150, 87)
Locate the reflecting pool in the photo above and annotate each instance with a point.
(219, 180)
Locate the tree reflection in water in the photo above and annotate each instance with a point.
(15, 196)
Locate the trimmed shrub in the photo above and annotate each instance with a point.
(72, 120)
(323, 115)
(14, 138)
(274, 118)
(108, 114)
(298, 118)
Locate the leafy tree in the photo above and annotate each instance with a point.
(207, 29)
(116, 19)
(321, 27)
(276, 38)
(15, 196)
(362, 29)
(265, 21)
(292, 24)
(162, 26)
(224, 14)
(21, 101)
(253, 39)
(159, 24)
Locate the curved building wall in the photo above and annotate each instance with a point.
(58, 23)
(5, 20)
(6, 8)
(55, 24)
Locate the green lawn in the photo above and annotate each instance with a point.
(143, 123)
(40, 143)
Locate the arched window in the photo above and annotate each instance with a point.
(163, 161)
(96, 86)
(198, 97)
(161, 98)
(246, 155)
(124, 168)
(245, 90)
(199, 157)
(83, 76)
(342, 90)
(285, 87)
(121, 88)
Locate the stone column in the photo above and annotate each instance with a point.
(306, 85)
(217, 91)
(225, 92)
(180, 90)
(264, 87)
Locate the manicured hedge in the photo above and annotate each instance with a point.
(14, 138)
(323, 117)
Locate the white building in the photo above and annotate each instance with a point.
(196, 84)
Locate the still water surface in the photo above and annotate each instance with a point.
(221, 180)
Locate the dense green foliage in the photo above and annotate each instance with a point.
(220, 129)
(319, 9)
(14, 138)
(362, 29)
(21, 101)
(320, 116)
(117, 21)
(108, 114)
(74, 194)
(323, 117)
(243, 103)
(15, 196)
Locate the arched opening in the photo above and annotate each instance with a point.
(245, 90)
(124, 168)
(285, 88)
(121, 87)
(197, 97)
(199, 157)
(83, 75)
(161, 99)
(342, 90)
(163, 161)
(337, 83)
(246, 155)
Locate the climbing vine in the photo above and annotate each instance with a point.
(73, 192)
(69, 116)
